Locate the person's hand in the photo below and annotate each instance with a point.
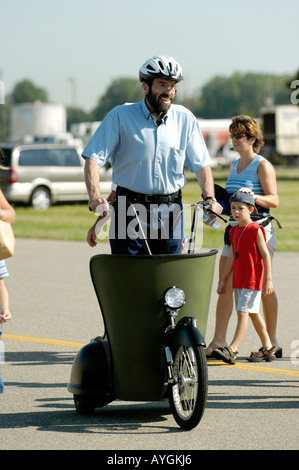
(5, 316)
(102, 208)
(221, 287)
(246, 190)
(268, 288)
(91, 236)
(99, 206)
(249, 191)
(216, 207)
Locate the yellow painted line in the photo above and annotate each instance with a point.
(76, 344)
(257, 368)
(269, 370)
(36, 339)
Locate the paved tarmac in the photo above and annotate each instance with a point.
(55, 311)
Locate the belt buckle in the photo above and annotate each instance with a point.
(146, 197)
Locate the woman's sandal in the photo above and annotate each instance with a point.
(211, 346)
(226, 354)
(262, 354)
(277, 351)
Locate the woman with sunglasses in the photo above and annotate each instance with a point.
(250, 173)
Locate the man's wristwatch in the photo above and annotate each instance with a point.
(210, 197)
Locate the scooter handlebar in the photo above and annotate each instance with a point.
(207, 207)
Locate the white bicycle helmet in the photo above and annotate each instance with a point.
(161, 67)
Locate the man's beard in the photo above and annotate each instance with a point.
(157, 106)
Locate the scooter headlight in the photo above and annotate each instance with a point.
(175, 297)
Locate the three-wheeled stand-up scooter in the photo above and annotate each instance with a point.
(155, 310)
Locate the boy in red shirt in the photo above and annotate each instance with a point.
(251, 265)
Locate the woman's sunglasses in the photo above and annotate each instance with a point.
(238, 135)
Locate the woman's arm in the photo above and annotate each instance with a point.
(267, 177)
(7, 212)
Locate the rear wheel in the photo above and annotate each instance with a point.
(41, 198)
(84, 405)
(189, 393)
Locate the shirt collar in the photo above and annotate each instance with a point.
(147, 113)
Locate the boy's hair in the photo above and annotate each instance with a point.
(250, 127)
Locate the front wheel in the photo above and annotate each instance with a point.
(189, 391)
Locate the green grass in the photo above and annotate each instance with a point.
(59, 222)
(72, 221)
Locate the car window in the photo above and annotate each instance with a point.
(49, 157)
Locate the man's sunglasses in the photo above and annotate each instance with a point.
(238, 135)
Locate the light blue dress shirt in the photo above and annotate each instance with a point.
(145, 157)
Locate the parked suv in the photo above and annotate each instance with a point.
(42, 174)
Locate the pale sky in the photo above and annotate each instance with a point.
(93, 42)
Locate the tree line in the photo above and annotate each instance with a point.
(221, 97)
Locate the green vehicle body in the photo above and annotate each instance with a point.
(130, 291)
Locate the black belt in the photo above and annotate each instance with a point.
(149, 198)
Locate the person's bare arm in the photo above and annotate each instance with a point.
(206, 182)
(94, 230)
(267, 177)
(226, 273)
(267, 284)
(5, 314)
(7, 212)
(92, 182)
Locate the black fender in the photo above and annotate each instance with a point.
(91, 372)
(187, 333)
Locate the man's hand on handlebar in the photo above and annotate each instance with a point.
(208, 210)
(216, 207)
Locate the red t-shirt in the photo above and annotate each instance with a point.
(248, 268)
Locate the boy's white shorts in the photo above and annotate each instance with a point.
(247, 300)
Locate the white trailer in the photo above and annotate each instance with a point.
(281, 129)
(84, 130)
(30, 121)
